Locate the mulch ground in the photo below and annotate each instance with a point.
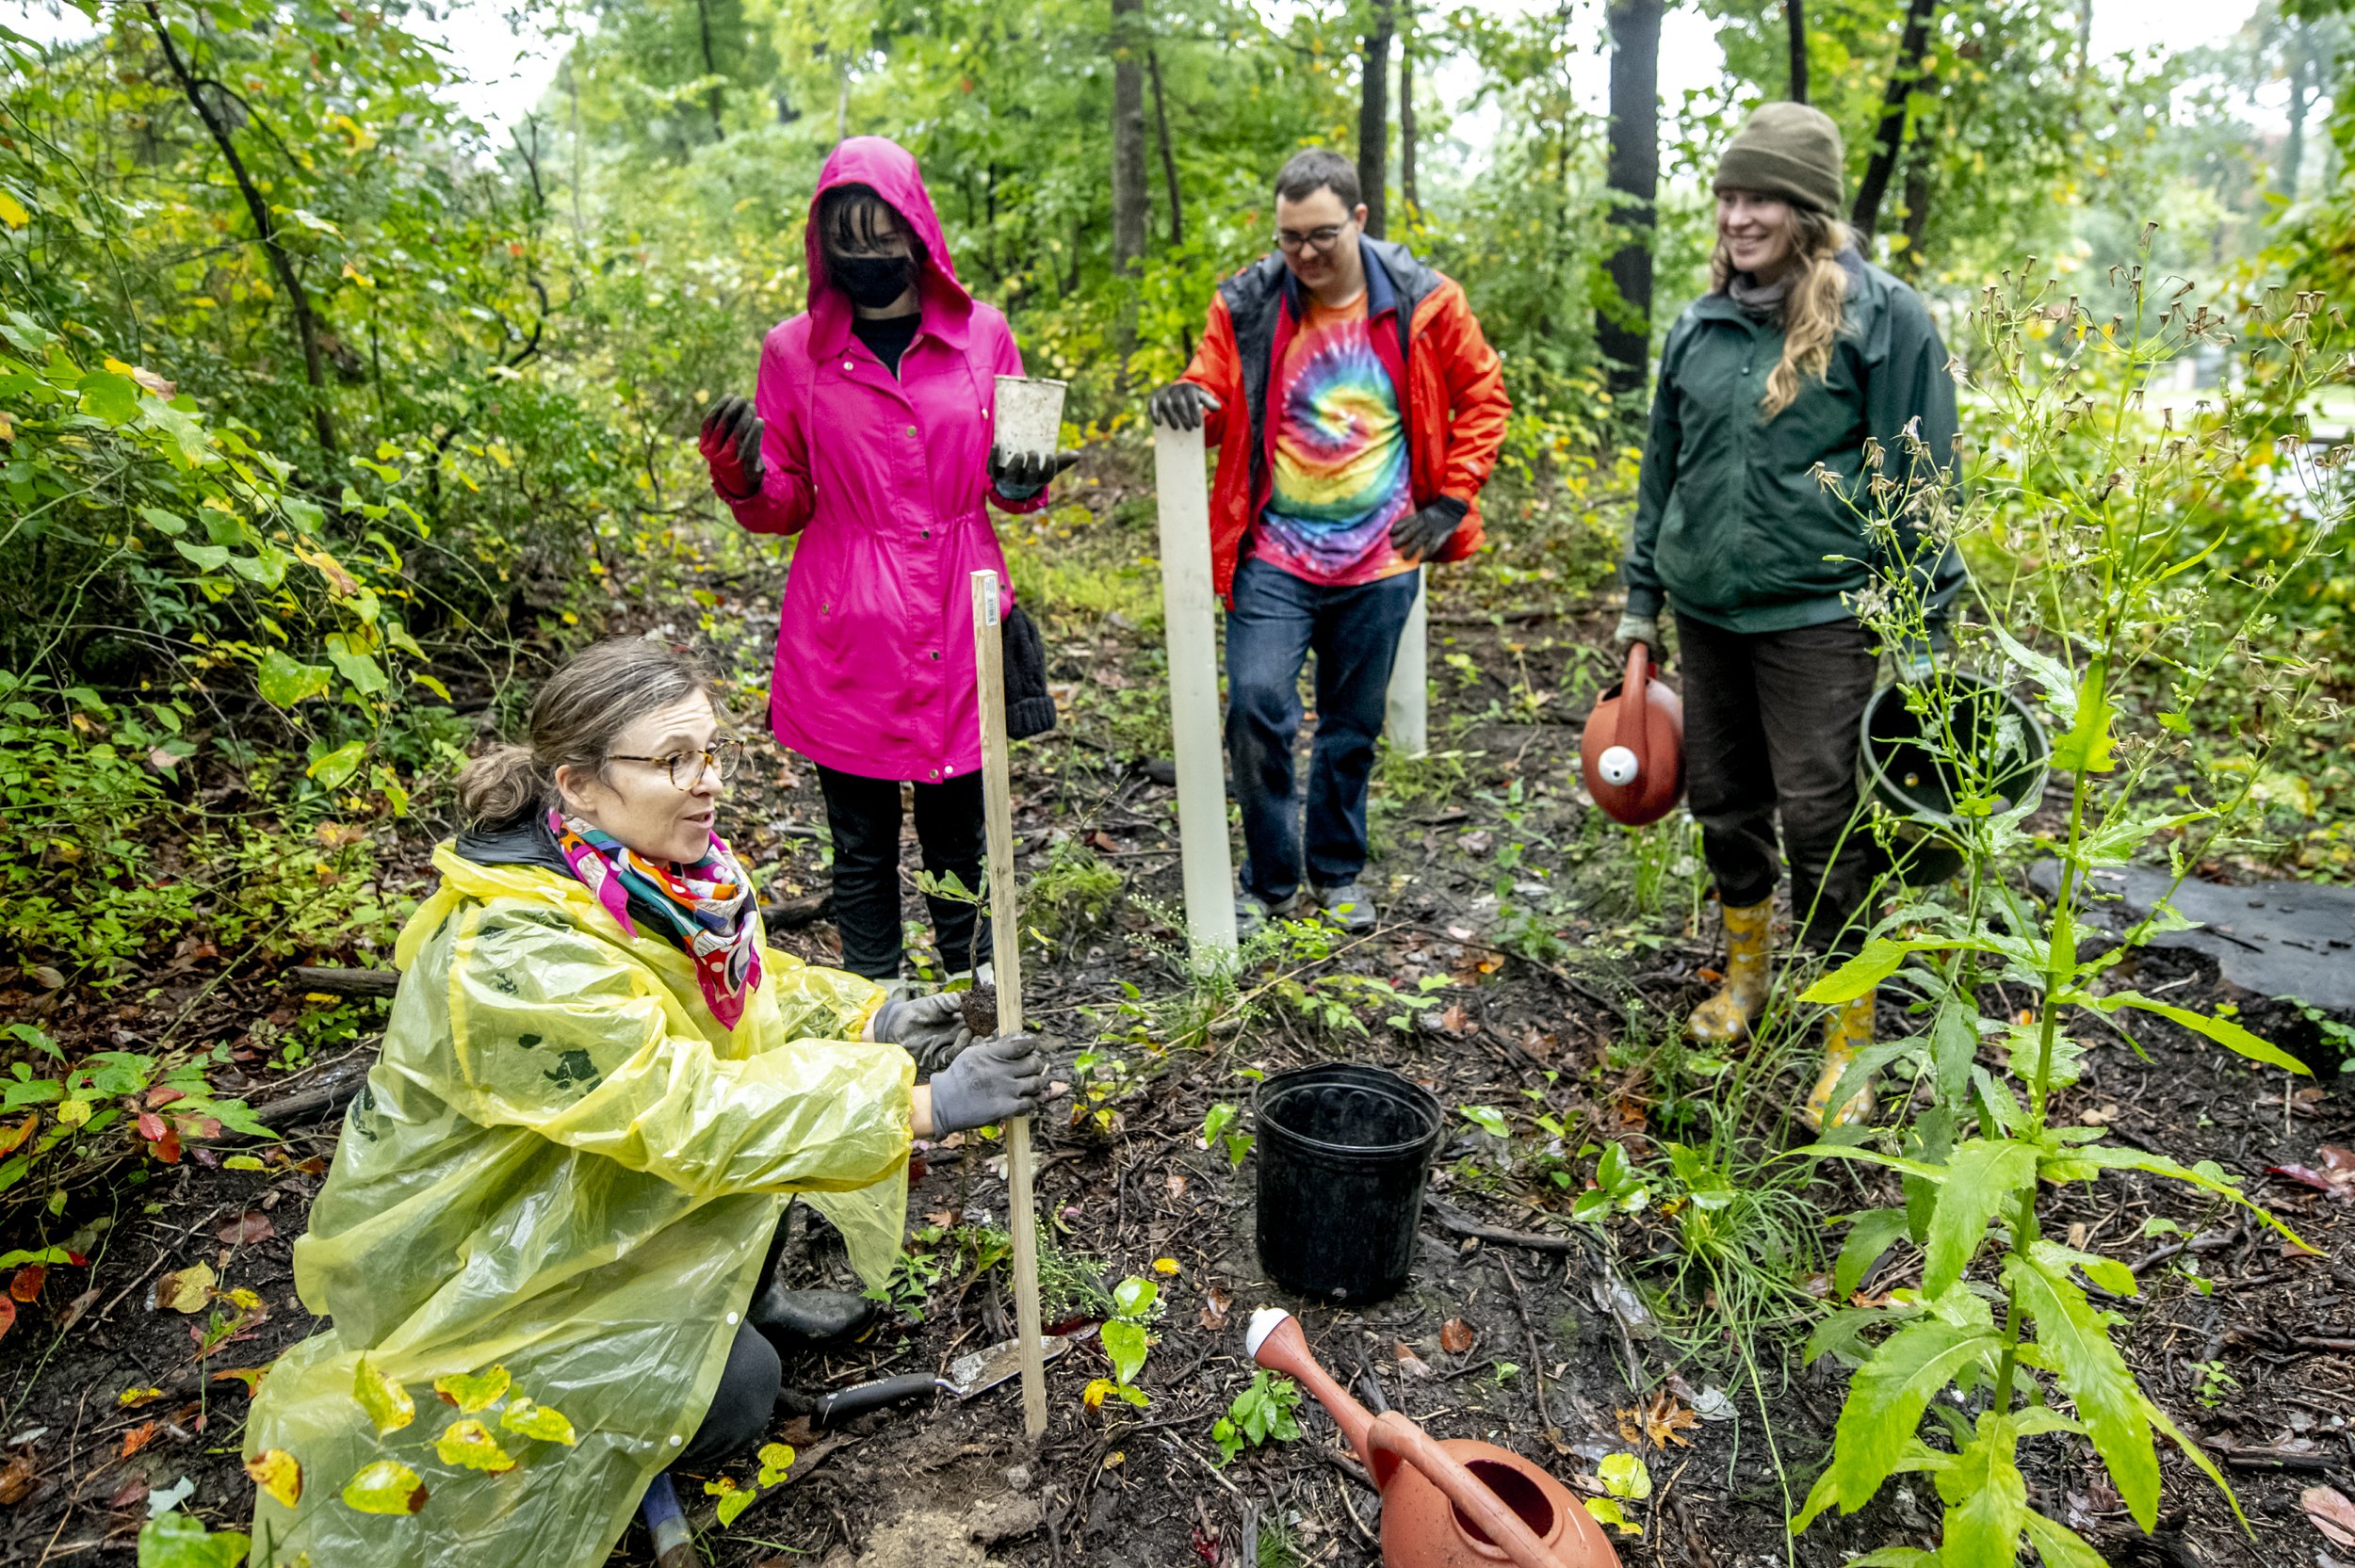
(2252, 1350)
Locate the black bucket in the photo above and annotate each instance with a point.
(1911, 787)
(1342, 1151)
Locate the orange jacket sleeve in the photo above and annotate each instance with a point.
(1477, 406)
(1217, 369)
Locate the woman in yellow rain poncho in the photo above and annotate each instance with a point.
(596, 1093)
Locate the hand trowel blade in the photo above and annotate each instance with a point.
(985, 1368)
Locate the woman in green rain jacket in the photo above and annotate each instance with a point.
(1806, 385)
(597, 1094)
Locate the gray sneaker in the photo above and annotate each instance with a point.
(1347, 906)
(1252, 912)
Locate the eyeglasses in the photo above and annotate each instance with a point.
(1291, 242)
(686, 769)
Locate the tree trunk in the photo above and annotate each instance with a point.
(1888, 138)
(2085, 36)
(1409, 190)
(298, 297)
(712, 68)
(1373, 117)
(1128, 135)
(1917, 199)
(1795, 20)
(1623, 328)
(1169, 155)
(2302, 73)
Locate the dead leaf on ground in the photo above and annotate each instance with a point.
(129, 1495)
(26, 1286)
(1409, 1363)
(247, 1228)
(2336, 1179)
(2328, 1511)
(1660, 1422)
(1175, 1184)
(1456, 1020)
(140, 1437)
(1455, 1337)
(189, 1290)
(16, 1478)
(1216, 1301)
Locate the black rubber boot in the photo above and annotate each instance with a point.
(810, 1320)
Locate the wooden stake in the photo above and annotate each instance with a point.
(989, 672)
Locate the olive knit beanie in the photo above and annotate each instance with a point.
(1790, 151)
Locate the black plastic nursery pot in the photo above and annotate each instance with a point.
(1343, 1151)
(1912, 784)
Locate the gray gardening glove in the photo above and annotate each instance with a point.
(930, 1029)
(992, 1081)
(1019, 475)
(1179, 406)
(1419, 534)
(1633, 629)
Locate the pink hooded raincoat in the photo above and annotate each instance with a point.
(884, 480)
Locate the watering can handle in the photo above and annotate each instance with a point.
(1632, 725)
(1394, 1434)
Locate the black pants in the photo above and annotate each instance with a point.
(1770, 724)
(746, 1399)
(864, 817)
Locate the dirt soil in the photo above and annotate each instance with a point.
(2254, 1354)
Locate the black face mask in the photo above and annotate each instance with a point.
(872, 281)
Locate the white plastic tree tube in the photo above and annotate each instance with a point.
(1192, 630)
(1407, 721)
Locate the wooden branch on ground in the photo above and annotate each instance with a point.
(345, 982)
(1461, 1224)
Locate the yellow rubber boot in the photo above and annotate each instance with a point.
(1848, 1030)
(1726, 1018)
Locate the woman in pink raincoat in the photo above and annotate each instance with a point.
(869, 436)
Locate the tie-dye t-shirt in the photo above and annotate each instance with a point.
(1341, 456)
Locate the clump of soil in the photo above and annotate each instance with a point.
(980, 1011)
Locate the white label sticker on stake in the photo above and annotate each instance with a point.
(988, 598)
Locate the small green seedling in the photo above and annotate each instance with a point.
(1260, 1413)
(1214, 1134)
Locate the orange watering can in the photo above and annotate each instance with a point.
(1632, 756)
(1457, 1504)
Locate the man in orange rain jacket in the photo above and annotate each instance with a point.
(1356, 410)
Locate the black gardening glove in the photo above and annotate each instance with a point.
(1179, 406)
(992, 1081)
(731, 448)
(1019, 475)
(930, 1029)
(1419, 534)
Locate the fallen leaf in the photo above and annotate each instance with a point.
(131, 1398)
(27, 1285)
(1409, 1363)
(189, 1290)
(16, 1478)
(247, 1228)
(51, 977)
(1104, 841)
(249, 1376)
(1456, 1020)
(1713, 976)
(468, 1444)
(386, 1486)
(12, 1136)
(129, 1495)
(1175, 1184)
(279, 1475)
(2328, 1511)
(1215, 1304)
(2336, 1179)
(1455, 1337)
(1165, 1265)
(1660, 1422)
(150, 1126)
(140, 1437)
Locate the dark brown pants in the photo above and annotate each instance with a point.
(1770, 725)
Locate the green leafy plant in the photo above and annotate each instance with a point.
(1235, 1145)
(1136, 1302)
(1261, 1413)
(2003, 1318)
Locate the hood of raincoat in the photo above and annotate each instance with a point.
(889, 171)
(558, 1184)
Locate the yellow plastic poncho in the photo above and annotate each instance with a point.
(562, 1165)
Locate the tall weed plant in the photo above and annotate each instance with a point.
(2099, 485)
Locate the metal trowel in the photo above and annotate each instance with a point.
(969, 1375)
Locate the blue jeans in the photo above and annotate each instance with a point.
(1277, 621)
